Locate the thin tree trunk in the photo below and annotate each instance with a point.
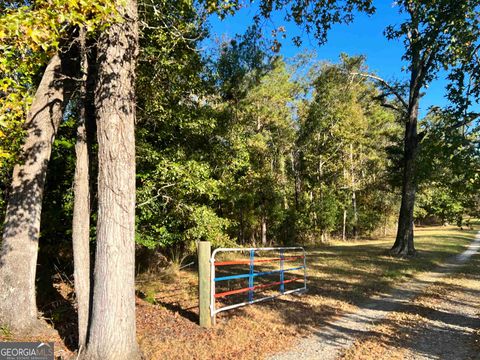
(385, 226)
(19, 251)
(314, 212)
(296, 177)
(283, 173)
(264, 231)
(355, 215)
(81, 211)
(354, 195)
(320, 195)
(112, 330)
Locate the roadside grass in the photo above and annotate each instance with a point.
(355, 271)
(341, 275)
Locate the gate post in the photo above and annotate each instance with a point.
(204, 283)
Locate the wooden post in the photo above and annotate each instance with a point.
(204, 251)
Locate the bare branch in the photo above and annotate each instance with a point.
(388, 105)
(386, 84)
(471, 117)
(156, 196)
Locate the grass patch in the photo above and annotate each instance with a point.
(363, 268)
(341, 275)
(5, 332)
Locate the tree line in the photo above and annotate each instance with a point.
(118, 133)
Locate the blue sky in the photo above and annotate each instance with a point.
(363, 37)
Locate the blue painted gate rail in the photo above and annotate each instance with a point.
(251, 275)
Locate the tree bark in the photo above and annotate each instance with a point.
(404, 245)
(112, 330)
(19, 248)
(81, 210)
(283, 173)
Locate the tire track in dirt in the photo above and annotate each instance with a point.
(337, 336)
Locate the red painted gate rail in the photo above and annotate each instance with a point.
(252, 274)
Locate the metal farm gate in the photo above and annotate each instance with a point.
(281, 257)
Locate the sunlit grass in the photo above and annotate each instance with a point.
(353, 271)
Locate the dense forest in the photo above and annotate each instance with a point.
(243, 146)
(236, 145)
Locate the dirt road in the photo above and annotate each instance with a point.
(434, 316)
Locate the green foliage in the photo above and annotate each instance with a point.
(327, 211)
(30, 33)
(317, 17)
(440, 34)
(236, 142)
(176, 191)
(241, 63)
(176, 186)
(342, 142)
(224, 168)
(259, 134)
(209, 227)
(448, 169)
(441, 203)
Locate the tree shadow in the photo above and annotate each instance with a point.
(430, 332)
(176, 308)
(55, 300)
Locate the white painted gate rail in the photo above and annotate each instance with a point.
(251, 275)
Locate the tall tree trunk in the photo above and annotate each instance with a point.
(354, 195)
(404, 241)
(296, 176)
(253, 239)
(241, 229)
(355, 215)
(385, 224)
(112, 329)
(19, 251)
(283, 173)
(314, 212)
(81, 210)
